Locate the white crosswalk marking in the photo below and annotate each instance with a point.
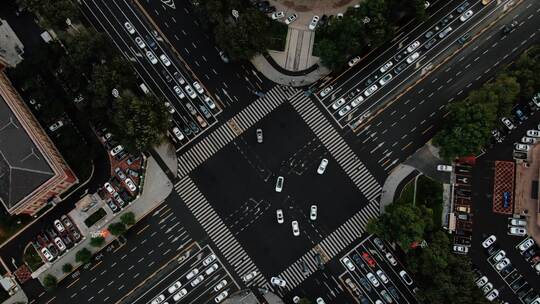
(338, 148)
(331, 246)
(214, 227)
(223, 135)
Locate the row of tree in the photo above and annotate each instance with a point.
(362, 28)
(468, 126)
(442, 276)
(86, 66)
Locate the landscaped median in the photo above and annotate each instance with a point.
(156, 188)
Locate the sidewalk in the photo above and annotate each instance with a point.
(393, 182)
(155, 189)
(263, 66)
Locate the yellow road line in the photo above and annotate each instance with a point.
(143, 229)
(406, 146)
(429, 128)
(73, 283)
(93, 267)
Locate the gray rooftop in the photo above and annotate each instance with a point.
(22, 166)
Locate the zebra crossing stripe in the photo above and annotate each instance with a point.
(216, 229)
(337, 147)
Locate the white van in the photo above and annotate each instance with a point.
(144, 88)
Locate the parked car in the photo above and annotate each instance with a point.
(508, 123)
(313, 23)
(489, 241)
(295, 228)
(406, 278)
(278, 15)
(55, 126)
(347, 262)
(326, 90)
(444, 168)
(291, 19)
(518, 231)
(461, 249)
(354, 60)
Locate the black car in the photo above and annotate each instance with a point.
(517, 284)
(506, 270)
(269, 9)
(113, 206)
(194, 127)
(400, 68)
(364, 282)
(263, 4)
(151, 43)
(430, 43)
(394, 292)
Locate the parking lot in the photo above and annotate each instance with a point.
(373, 274)
(57, 238)
(200, 277)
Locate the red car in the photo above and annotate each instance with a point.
(369, 260)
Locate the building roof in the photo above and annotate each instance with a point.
(23, 168)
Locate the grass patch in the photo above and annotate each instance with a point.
(95, 217)
(32, 258)
(428, 193)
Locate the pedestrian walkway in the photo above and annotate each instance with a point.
(330, 246)
(392, 183)
(237, 125)
(336, 145)
(218, 232)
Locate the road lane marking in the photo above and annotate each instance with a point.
(143, 229)
(98, 263)
(72, 283)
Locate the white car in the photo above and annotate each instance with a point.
(165, 60)
(130, 184)
(445, 32)
(406, 278)
(313, 23)
(140, 42)
(526, 245)
(348, 263)
(444, 168)
(518, 222)
(533, 133)
(295, 228)
(357, 101)
(220, 297)
(178, 133)
(461, 249)
(503, 263)
(499, 256)
(169, 107)
(487, 288)
(279, 183)
(518, 231)
(209, 102)
(55, 126)
(209, 259)
(129, 28)
(278, 282)
(180, 294)
(47, 254)
(249, 276)
(174, 287)
(338, 103)
(482, 281)
(279, 215)
(385, 79)
(326, 90)
(466, 16)
(151, 57)
(508, 123)
(179, 92)
(159, 299)
(489, 241)
(291, 19)
(521, 147)
(278, 15)
(372, 279)
(220, 285)
(391, 259)
(58, 225)
(382, 276)
(198, 87)
(344, 110)
(190, 91)
(322, 166)
(354, 60)
(320, 301)
(370, 90)
(109, 188)
(413, 46)
(413, 57)
(386, 66)
(527, 140)
(58, 242)
(211, 269)
(196, 281)
(492, 295)
(192, 273)
(116, 150)
(313, 212)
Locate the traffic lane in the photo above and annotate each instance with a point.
(202, 50)
(358, 72)
(152, 241)
(405, 132)
(425, 50)
(121, 8)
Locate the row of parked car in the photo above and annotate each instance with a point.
(56, 239)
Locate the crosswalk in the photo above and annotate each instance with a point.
(329, 247)
(227, 132)
(218, 232)
(338, 148)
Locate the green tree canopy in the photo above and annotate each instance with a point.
(117, 228)
(50, 282)
(67, 268)
(53, 13)
(128, 218)
(83, 256)
(97, 241)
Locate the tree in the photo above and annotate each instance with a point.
(117, 228)
(128, 218)
(67, 268)
(141, 122)
(304, 301)
(53, 13)
(403, 223)
(97, 241)
(50, 282)
(83, 256)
